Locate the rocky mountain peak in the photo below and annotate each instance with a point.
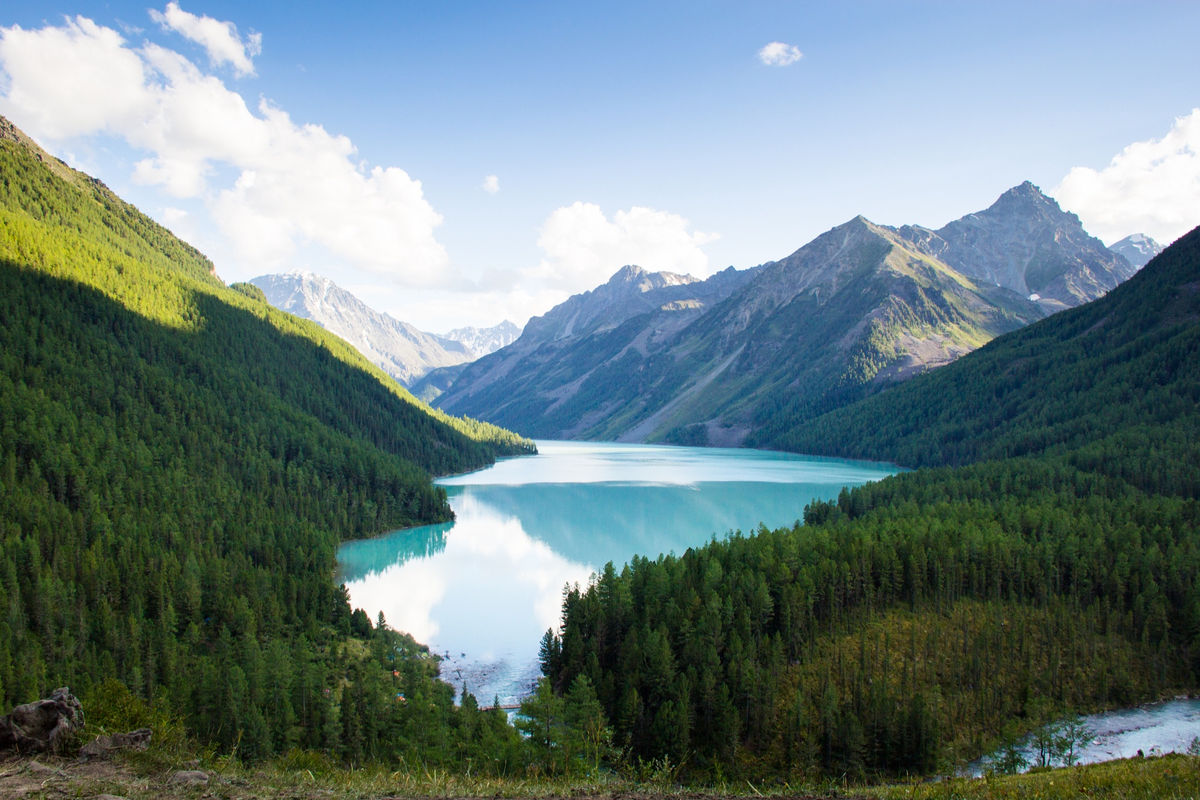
(833, 251)
(1028, 203)
(1026, 243)
(481, 341)
(1026, 190)
(634, 277)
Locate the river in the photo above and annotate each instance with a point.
(482, 590)
(1150, 730)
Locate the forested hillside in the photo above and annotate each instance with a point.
(178, 461)
(906, 625)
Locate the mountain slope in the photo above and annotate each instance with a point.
(178, 461)
(859, 307)
(1062, 383)
(570, 368)
(854, 310)
(396, 347)
(1026, 243)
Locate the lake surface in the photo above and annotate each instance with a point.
(481, 590)
(1154, 729)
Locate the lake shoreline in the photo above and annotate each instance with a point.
(488, 585)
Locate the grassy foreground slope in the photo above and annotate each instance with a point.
(178, 461)
(907, 624)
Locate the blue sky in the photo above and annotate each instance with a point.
(460, 163)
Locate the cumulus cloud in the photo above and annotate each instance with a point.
(1150, 187)
(491, 184)
(293, 186)
(71, 80)
(219, 39)
(779, 54)
(583, 247)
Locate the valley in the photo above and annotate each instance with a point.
(189, 474)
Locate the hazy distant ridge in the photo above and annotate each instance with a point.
(1137, 248)
(398, 348)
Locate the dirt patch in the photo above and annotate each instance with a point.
(47, 776)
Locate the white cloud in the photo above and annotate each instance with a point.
(67, 81)
(1150, 187)
(219, 39)
(583, 247)
(779, 54)
(491, 184)
(293, 185)
(439, 310)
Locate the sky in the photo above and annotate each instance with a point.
(461, 163)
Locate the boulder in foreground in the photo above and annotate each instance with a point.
(47, 725)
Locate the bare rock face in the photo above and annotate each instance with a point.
(47, 725)
(1026, 243)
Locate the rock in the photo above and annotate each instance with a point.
(46, 725)
(103, 745)
(189, 777)
(39, 769)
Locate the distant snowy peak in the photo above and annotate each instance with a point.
(396, 347)
(308, 295)
(480, 342)
(1138, 248)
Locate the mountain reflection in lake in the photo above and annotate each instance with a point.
(482, 590)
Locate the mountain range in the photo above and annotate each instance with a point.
(396, 347)
(735, 358)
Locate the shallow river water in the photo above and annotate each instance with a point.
(1154, 729)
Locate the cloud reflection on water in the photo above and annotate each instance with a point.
(482, 599)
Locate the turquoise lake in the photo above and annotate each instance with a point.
(481, 590)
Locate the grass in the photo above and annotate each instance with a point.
(311, 776)
(1170, 777)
